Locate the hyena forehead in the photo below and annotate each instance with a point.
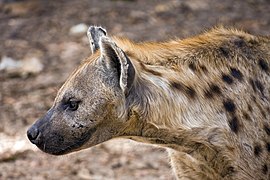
(80, 82)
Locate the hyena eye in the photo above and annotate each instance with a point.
(73, 105)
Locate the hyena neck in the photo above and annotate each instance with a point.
(171, 99)
(156, 102)
(160, 114)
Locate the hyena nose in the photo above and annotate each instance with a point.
(33, 134)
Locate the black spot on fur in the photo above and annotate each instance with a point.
(257, 150)
(229, 106)
(227, 79)
(264, 169)
(267, 129)
(236, 74)
(263, 65)
(213, 89)
(208, 94)
(234, 124)
(267, 145)
(203, 68)
(231, 169)
(239, 42)
(257, 85)
(246, 116)
(192, 66)
(189, 91)
(228, 171)
(224, 51)
(177, 85)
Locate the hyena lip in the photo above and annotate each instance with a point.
(56, 152)
(58, 148)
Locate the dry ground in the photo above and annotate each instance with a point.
(40, 29)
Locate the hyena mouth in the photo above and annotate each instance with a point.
(66, 147)
(56, 144)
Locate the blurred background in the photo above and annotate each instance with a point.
(42, 41)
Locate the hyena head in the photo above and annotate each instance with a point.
(90, 106)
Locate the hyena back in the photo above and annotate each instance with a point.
(205, 99)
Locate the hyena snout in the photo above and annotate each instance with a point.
(44, 135)
(33, 134)
(56, 135)
(36, 131)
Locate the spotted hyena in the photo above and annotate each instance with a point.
(206, 99)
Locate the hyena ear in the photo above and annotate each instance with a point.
(94, 35)
(118, 61)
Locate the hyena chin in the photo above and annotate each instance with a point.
(205, 99)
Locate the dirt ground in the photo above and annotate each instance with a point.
(40, 30)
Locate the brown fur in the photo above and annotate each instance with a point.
(205, 99)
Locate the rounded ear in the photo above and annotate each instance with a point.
(116, 59)
(94, 35)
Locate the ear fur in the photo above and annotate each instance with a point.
(94, 34)
(117, 59)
